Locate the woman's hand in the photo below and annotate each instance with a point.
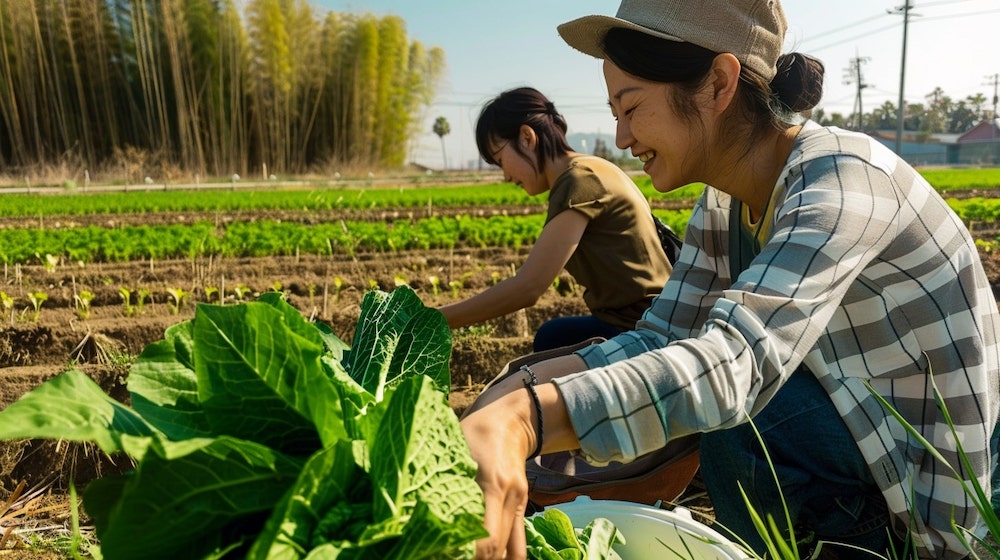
(500, 438)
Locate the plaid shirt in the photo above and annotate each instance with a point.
(868, 278)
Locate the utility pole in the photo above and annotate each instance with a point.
(852, 75)
(905, 10)
(994, 119)
(995, 78)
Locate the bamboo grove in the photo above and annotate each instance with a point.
(207, 87)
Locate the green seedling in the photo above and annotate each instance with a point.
(50, 262)
(177, 299)
(241, 292)
(126, 296)
(312, 294)
(211, 291)
(141, 295)
(82, 301)
(8, 305)
(338, 284)
(37, 298)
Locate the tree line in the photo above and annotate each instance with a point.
(207, 87)
(939, 115)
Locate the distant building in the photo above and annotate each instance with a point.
(918, 149)
(978, 146)
(986, 131)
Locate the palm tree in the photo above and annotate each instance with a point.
(441, 128)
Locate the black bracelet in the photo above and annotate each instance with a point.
(530, 385)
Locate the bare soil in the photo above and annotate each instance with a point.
(102, 338)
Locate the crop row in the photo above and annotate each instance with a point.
(269, 238)
(335, 196)
(976, 210)
(947, 179)
(478, 196)
(80, 203)
(262, 238)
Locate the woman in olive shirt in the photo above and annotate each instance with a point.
(598, 226)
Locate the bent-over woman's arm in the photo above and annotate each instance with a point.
(548, 256)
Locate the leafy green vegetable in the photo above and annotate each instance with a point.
(258, 434)
(551, 536)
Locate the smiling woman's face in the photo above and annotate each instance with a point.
(517, 168)
(651, 129)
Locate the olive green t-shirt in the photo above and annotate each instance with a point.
(619, 260)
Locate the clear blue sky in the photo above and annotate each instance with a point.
(496, 45)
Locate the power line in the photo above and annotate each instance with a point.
(943, 3)
(843, 27)
(854, 37)
(893, 25)
(962, 15)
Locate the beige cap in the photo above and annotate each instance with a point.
(752, 30)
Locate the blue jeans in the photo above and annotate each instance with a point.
(994, 445)
(829, 491)
(563, 331)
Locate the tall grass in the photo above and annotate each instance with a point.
(972, 489)
(783, 545)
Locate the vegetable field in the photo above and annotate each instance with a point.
(89, 280)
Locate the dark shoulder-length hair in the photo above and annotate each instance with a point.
(500, 121)
(795, 89)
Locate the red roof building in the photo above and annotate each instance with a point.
(985, 131)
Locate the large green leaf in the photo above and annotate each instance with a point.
(335, 347)
(73, 407)
(164, 386)
(184, 494)
(326, 482)
(551, 535)
(320, 405)
(260, 379)
(358, 416)
(424, 502)
(419, 457)
(421, 535)
(397, 336)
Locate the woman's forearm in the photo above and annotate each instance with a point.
(501, 299)
(544, 372)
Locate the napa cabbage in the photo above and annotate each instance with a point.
(258, 434)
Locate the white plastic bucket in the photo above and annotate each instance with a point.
(654, 534)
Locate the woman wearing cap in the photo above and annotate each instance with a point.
(599, 226)
(818, 270)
